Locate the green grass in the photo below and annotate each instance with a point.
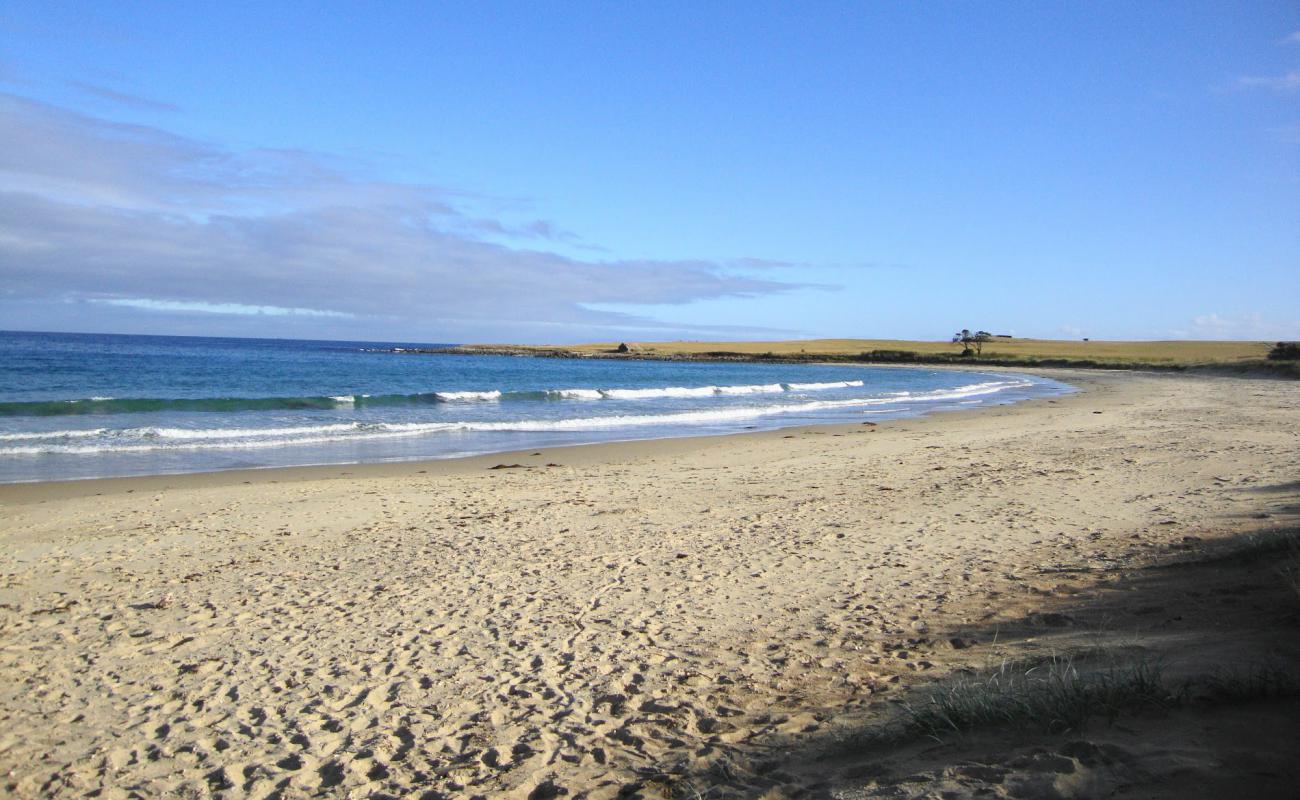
(1033, 698)
(1052, 696)
(1280, 546)
(1243, 685)
(1057, 695)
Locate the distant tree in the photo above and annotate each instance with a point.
(1285, 351)
(972, 343)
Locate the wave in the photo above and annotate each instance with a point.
(462, 396)
(574, 394)
(762, 389)
(135, 440)
(127, 405)
(970, 390)
(111, 405)
(816, 387)
(238, 433)
(145, 440)
(666, 391)
(74, 434)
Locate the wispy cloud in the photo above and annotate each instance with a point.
(1282, 83)
(538, 229)
(126, 99)
(133, 217)
(1289, 134)
(1292, 39)
(1239, 326)
(8, 72)
(763, 263)
(217, 308)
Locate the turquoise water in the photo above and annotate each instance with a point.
(85, 405)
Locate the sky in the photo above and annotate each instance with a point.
(566, 172)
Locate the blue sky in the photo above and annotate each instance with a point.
(569, 172)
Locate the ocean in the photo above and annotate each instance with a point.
(99, 405)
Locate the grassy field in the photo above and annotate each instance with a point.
(1166, 353)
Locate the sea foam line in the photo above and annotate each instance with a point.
(71, 434)
(102, 406)
(467, 396)
(151, 439)
(816, 387)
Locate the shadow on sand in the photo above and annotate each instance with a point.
(1208, 616)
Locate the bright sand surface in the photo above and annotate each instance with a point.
(636, 617)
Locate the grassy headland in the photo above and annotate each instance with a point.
(1000, 351)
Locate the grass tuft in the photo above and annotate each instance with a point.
(1260, 682)
(1053, 696)
(1281, 546)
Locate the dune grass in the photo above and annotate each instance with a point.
(1282, 547)
(1051, 696)
(1249, 684)
(1059, 695)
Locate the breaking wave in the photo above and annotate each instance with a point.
(144, 439)
(127, 405)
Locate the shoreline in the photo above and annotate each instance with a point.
(662, 616)
(603, 452)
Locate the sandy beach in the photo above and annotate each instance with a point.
(658, 618)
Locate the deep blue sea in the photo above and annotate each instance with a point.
(87, 405)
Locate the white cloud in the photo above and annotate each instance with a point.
(136, 218)
(1290, 134)
(1282, 83)
(1243, 327)
(216, 308)
(132, 101)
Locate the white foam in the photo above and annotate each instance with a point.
(666, 391)
(817, 387)
(72, 434)
(239, 438)
(240, 433)
(364, 432)
(577, 394)
(470, 396)
(638, 420)
(971, 390)
(956, 393)
(707, 391)
(151, 439)
(345, 399)
(756, 389)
